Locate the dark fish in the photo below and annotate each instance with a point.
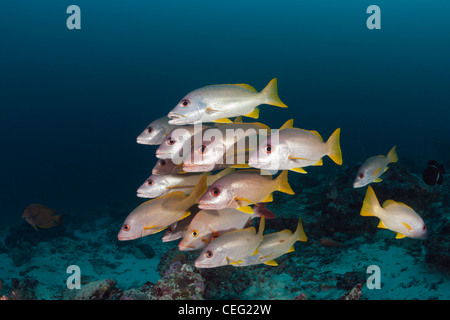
(434, 173)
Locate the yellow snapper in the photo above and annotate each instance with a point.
(210, 224)
(159, 185)
(155, 132)
(227, 144)
(231, 247)
(242, 188)
(216, 103)
(395, 216)
(157, 214)
(275, 245)
(371, 170)
(294, 149)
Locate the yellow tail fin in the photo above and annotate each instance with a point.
(392, 155)
(335, 152)
(271, 93)
(283, 184)
(370, 203)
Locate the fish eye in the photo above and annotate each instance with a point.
(361, 175)
(194, 233)
(209, 254)
(149, 182)
(126, 227)
(149, 130)
(215, 192)
(170, 141)
(162, 162)
(424, 227)
(268, 148)
(169, 229)
(202, 149)
(185, 103)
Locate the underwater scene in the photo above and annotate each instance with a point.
(225, 150)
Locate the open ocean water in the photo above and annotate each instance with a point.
(73, 102)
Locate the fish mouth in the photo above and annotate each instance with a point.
(144, 195)
(185, 247)
(143, 140)
(162, 155)
(208, 206)
(177, 118)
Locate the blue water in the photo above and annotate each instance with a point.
(73, 101)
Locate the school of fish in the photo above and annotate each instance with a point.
(214, 176)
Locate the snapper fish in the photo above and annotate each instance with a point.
(294, 149)
(178, 142)
(371, 170)
(159, 185)
(231, 247)
(38, 215)
(275, 245)
(395, 216)
(217, 103)
(155, 132)
(166, 166)
(227, 144)
(243, 188)
(157, 214)
(177, 229)
(210, 224)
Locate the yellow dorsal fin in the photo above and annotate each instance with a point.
(245, 209)
(245, 86)
(269, 198)
(287, 125)
(253, 114)
(272, 263)
(389, 203)
(224, 120)
(299, 170)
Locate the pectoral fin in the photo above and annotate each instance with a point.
(377, 180)
(245, 199)
(246, 209)
(408, 227)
